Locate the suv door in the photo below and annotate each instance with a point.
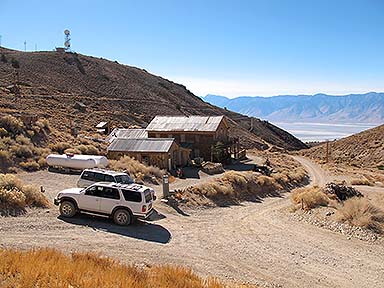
(90, 200)
(110, 198)
(86, 178)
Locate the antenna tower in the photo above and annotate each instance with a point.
(67, 42)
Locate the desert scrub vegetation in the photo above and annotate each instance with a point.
(26, 144)
(356, 210)
(360, 212)
(309, 198)
(137, 170)
(15, 196)
(46, 268)
(236, 186)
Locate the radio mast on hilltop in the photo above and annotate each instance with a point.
(67, 42)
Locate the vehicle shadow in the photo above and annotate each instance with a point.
(141, 230)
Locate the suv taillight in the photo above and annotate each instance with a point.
(144, 208)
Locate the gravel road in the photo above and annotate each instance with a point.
(252, 243)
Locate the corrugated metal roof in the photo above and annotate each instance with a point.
(183, 123)
(127, 134)
(141, 145)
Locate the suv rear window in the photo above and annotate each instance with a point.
(132, 196)
(148, 196)
(87, 175)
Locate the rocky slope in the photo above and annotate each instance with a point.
(365, 149)
(74, 89)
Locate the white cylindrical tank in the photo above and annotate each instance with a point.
(77, 161)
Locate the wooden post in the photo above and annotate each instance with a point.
(327, 152)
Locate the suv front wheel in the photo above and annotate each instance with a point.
(67, 209)
(122, 217)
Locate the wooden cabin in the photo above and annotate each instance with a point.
(197, 133)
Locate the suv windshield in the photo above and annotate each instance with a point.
(124, 179)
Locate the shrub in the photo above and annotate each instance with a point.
(15, 194)
(59, 147)
(30, 165)
(15, 63)
(11, 124)
(359, 212)
(136, 169)
(3, 58)
(87, 149)
(22, 151)
(5, 158)
(12, 198)
(310, 197)
(3, 132)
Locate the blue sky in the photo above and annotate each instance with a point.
(232, 48)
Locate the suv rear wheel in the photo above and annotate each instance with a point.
(122, 217)
(67, 209)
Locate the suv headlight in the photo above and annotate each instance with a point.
(59, 195)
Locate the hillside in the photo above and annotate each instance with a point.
(362, 108)
(52, 84)
(365, 149)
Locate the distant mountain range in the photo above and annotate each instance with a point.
(361, 108)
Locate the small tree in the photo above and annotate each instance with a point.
(3, 58)
(219, 152)
(15, 63)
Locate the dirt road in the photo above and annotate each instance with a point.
(253, 242)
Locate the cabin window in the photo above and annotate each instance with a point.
(182, 138)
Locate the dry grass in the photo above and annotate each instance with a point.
(360, 212)
(15, 196)
(362, 181)
(236, 186)
(310, 198)
(136, 169)
(49, 268)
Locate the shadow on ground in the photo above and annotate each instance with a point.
(141, 230)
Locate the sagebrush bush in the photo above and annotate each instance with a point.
(136, 169)
(14, 194)
(360, 212)
(11, 124)
(87, 149)
(46, 268)
(30, 165)
(60, 147)
(311, 197)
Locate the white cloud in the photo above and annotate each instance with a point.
(233, 88)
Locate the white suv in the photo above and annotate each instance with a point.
(122, 202)
(90, 176)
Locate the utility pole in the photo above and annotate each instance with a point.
(25, 45)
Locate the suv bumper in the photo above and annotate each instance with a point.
(56, 201)
(144, 216)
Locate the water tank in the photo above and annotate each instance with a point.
(78, 162)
